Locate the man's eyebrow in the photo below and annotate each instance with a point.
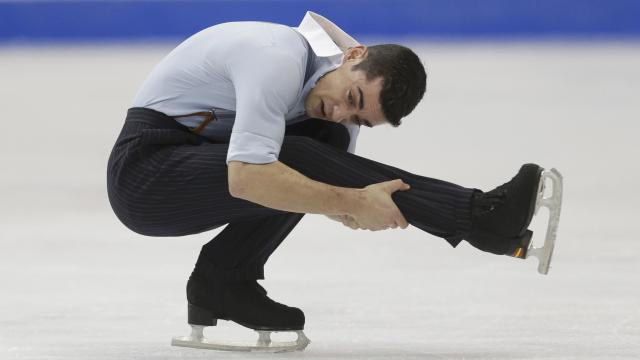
(361, 98)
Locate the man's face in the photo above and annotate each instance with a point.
(344, 95)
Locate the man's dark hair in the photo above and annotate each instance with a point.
(404, 79)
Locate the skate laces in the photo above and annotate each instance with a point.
(262, 292)
(487, 202)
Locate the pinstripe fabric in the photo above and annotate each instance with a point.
(164, 181)
(435, 206)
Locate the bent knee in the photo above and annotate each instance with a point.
(336, 136)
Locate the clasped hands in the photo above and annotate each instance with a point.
(374, 208)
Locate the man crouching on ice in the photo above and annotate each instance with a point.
(252, 125)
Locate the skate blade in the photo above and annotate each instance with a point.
(554, 204)
(263, 344)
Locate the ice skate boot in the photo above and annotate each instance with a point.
(245, 303)
(501, 217)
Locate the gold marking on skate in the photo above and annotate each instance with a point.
(519, 253)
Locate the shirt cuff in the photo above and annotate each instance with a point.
(252, 148)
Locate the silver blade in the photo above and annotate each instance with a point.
(263, 344)
(554, 204)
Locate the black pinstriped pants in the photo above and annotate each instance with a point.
(163, 180)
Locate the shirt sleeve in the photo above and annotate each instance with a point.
(267, 85)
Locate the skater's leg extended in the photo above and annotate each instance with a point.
(438, 207)
(496, 221)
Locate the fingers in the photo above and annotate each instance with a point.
(350, 222)
(396, 219)
(397, 184)
(401, 221)
(381, 227)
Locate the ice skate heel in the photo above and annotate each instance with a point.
(521, 250)
(200, 316)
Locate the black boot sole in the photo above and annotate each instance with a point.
(497, 244)
(200, 316)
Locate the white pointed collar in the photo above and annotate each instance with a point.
(325, 37)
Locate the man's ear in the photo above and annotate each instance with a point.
(354, 53)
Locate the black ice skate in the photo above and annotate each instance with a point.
(245, 303)
(501, 217)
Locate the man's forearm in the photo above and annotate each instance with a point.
(277, 186)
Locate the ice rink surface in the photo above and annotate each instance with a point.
(76, 285)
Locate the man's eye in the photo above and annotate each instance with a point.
(350, 98)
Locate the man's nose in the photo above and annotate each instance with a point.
(340, 113)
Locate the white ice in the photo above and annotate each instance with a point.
(76, 284)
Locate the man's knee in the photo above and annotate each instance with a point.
(326, 132)
(338, 136)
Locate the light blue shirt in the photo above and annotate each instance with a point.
(254, 76)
